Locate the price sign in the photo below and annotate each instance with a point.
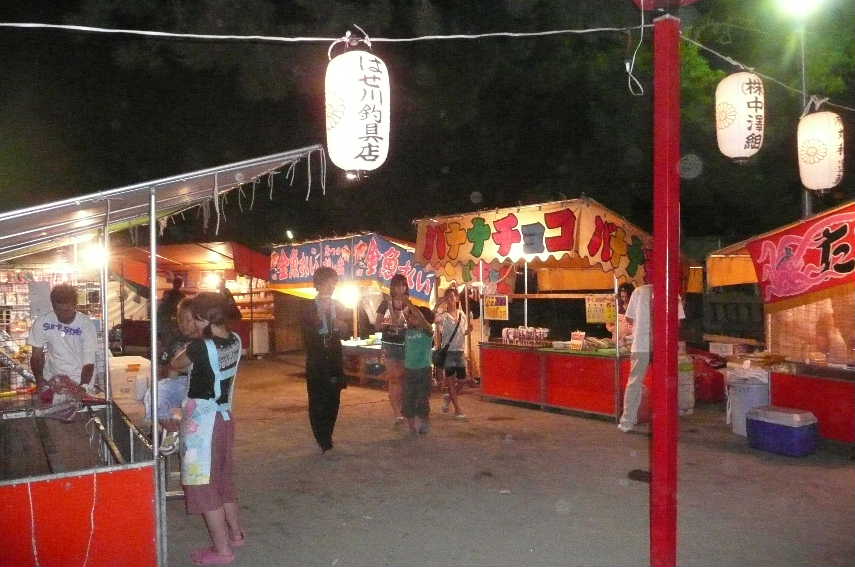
(600, 309)
(496, 307)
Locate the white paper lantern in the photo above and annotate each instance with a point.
(740, 115)
(357, 108)
(820, 143)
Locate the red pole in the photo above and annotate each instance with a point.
(666, 279)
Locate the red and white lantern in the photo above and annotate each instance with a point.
(357, 109)
(820, 145)
(740, 115)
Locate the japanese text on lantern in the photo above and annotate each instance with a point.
(754, 116)
(371, 113)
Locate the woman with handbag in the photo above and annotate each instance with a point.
(453, 327)
(392, 322)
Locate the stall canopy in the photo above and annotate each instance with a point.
(574, 245)
(132, 263)
(363, 259)
(801, 258)
(60, 223)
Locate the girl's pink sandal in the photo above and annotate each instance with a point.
(209, 556)
(240, 542)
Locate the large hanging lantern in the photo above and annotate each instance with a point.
(820, 144)
(357, 108)
(740, 115)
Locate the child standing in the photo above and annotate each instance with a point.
(208, 430)
(453, 326)
(418, 346)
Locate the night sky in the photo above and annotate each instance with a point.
(515, 121)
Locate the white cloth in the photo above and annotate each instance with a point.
(68, 347)
(446, 328)
(638, 311)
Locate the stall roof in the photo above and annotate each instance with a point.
(33, 229)
(732, 265)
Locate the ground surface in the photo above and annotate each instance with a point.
(510, 486)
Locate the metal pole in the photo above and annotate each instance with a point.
(666, 279)
(807, 202)
(525, 289)
(105, 311)
(152, 306)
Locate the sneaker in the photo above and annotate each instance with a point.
(169, 443)
(460, 416)
(446, 403)
(424, 428)
(399, 420)
(626, 428)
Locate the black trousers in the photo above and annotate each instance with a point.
(324, 400)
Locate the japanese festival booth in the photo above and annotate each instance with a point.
(806, 277)
(580, 251)
(365, 264)
(80, 483)
(202, 266)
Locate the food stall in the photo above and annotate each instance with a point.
(806, 277)
(203, 266)
(90, 457)
(365, 263)
(580, 251)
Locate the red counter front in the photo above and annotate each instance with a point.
(831, 400)
(577, 381)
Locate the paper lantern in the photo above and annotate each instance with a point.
(357, 108)
(740, 115)
(820, 143)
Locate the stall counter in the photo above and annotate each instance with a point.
(828, 393)
(583, 381)
(359, 360)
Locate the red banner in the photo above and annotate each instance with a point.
(816, 254)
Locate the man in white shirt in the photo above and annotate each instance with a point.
(63, 341)
(638, 317)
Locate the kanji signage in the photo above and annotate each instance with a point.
(813, 255)
(460, 246)
(354, 258)
(740, 120)
(496, 307)
(358, 111)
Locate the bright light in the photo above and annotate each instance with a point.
(352, 175)
(211, 281)
(289, 234)
(799, 8)
(348, 295)
(93, 256)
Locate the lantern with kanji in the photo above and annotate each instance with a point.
(740, 115)
(820, 144)
(357, 108)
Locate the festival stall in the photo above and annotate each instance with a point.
(203, 266)
(806, 277)
(86, 454)
(580, 251)
(365, 264)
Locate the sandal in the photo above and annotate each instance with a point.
(240, 542)
(209, 556)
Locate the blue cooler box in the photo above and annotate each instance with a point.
(785, 431)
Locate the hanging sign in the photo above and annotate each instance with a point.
(354, 258)
(357, 108)
(496, 307)
(815, 254)
(579, 228)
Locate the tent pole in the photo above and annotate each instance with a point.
(155, 440)
(525, 301)
(105, 311)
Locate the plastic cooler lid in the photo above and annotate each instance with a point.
(782, 416)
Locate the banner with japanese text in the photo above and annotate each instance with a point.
(579, 228)
(810, 256)
(365, 257)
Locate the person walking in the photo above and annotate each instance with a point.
(323, 326)
(418, 346)
(393, 324)
(453, 327)
(208, 429)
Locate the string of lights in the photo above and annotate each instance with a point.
(306, 39)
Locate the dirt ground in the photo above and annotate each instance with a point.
(509, 486)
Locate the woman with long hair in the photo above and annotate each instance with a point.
(392, 321)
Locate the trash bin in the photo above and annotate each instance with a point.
(743, 395)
